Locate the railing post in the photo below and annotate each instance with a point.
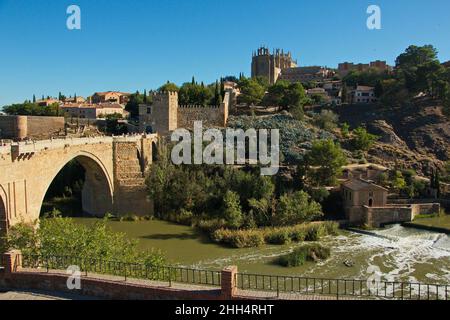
(229, 282)
(12, 261)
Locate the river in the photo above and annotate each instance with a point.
(401, 254)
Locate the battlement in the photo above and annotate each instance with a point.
(165, 93)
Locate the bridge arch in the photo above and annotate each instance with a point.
(98, 190)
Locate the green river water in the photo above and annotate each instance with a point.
(401, 254)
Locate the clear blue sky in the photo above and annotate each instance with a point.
(137, 44)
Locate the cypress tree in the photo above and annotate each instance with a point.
(145, 95)
(34, 98)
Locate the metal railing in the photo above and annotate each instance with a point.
(126, 270)
(342, 288)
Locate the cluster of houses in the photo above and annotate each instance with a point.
(99, 105)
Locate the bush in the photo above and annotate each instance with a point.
(331, 227)
(315, 232)
(64, 237)
(239, 238)
(309, 252)
(277, 236)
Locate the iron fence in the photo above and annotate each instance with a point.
(125, 269)
(342, 287)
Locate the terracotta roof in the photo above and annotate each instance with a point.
(360, 184)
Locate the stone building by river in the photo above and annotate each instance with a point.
(366, 203)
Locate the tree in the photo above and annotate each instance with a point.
(169, 86)
(252, 91)
(297, 208)
(362, 140)
(195, 94)
(232, 210)
(398, 181)
(34, 98)
(325, 161)
(411, 65)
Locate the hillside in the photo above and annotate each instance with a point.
(414, 136)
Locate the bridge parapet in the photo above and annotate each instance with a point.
(29, 148)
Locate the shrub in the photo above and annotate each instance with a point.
(309, 252)
(64, 237)
(331, 227)
(298, 233)
(239, 238)
(210, 225)
(277, 236)
(315, 232)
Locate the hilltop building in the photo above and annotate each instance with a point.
(165, 114)
(307, 74)
(76, 99)
(362, 94)
(270, 65)
(111, 97)
(47, 102)
(92, 111)
(346, 67)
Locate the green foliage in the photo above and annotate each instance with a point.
(370, 77)
(297, 208)
(169, 86)
(362, 140)
(398, 181)
(345, 130)
(193, 93)
(32, 109)
(274, 235)
(286, 95)
(325, 161)
(232, 212)
(63, 237)
(252, 91)
(326, 120)
(309, 252)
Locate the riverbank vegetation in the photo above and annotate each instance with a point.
(309, 252)
(58, 236)
(236, 206)
(274, 235)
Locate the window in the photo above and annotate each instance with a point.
(149, 110)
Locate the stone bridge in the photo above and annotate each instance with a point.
(114, 177)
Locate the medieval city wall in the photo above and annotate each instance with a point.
(30, 127)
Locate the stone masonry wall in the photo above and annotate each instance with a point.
(210, 116)
(131, 196)
(31, 127)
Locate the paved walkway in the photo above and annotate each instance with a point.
(40, 295)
